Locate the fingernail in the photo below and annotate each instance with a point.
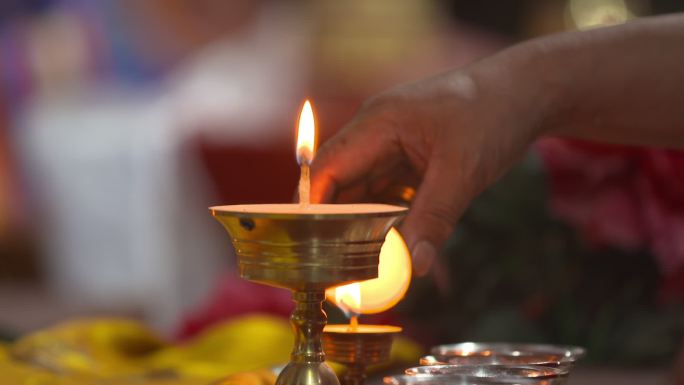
(423, 254)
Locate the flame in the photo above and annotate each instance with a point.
(306, 135)
(382, 293)
(348, 298)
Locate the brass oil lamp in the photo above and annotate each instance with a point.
(307, 248)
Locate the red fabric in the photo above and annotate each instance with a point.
(232, 297)
(620, 196)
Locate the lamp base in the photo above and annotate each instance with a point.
(307, 373)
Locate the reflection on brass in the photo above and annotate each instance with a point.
(307, 253)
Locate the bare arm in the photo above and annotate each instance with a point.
(621, 84)
(456, 133)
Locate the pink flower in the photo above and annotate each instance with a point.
(620, 196)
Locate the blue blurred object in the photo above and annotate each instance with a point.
(14, 8)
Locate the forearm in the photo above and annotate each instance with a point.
(622, 84)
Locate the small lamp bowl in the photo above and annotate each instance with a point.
(369, 347)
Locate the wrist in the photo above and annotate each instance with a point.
(536, 83)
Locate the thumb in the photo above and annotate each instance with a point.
(439, 203)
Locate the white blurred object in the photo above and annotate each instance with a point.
(121, 205)
(121, 201)
(252, 83)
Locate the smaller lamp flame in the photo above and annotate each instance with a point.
(348, 298)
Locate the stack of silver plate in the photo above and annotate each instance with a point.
(472, 363)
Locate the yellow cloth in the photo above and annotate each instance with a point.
(124, 352)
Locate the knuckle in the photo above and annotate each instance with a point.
(381, 102)
(373, 102)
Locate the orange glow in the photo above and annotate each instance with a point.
(382, 293)
(347, 297)
(306, 135)
(354, 323)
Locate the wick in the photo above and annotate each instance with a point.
(354, 323)
(304, 185)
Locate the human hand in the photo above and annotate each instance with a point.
(451, 136)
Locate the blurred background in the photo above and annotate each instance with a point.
(121, 121)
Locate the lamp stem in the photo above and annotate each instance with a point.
(308, 320)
